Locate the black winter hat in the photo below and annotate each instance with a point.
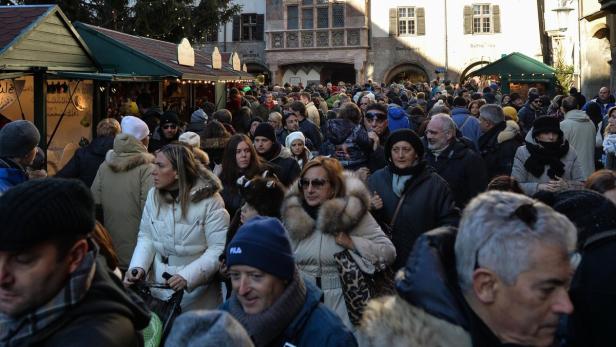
(18, 138)
(169, 117)
(546, 124)
(266, 130)
(407, 135)
(44, 210)
(590, 211)
(264, 194)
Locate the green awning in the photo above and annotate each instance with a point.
(518, 67)
(106, 76)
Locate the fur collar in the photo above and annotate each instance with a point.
(336, 215)
(127, 154)
(206, 186)
(512, 130)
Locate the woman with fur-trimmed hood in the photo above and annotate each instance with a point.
(183, 230)
(121, 186)
(326, 212)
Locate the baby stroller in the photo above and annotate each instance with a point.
(163, 312)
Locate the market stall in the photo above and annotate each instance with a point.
(517, 73)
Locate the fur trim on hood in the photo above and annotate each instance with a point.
(127, 154)
(206, 186)
(511, 131)
(335, 215)
(391, 321)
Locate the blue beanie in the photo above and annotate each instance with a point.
(263, 244)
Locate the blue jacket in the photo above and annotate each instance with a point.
(471, 129)
(10, 176)
(397, 118)
(347, 142)
(314, 325)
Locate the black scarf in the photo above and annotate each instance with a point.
(413, 170)
(269, 325)
(273, 152)
(546, 153)
(313, 211)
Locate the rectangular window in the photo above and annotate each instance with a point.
(307, 18)
(292, 17)
(338, 15)
(407, 21)
(249, 27)
(306, 2)
(322, 17)
(482, 19)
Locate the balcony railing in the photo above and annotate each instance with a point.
(317, 38)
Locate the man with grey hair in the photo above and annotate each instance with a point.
(497, 144)
(511, 256)
(454, 159)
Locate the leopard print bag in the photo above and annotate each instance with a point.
(361, 283)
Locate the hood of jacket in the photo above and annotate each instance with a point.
(577, 116)
(429, 279)
(338, 130)
(335, 215)
(101, 145)
(127, 154)
(511, 131)
(206, 186)
(391, 321)
(395, 112)
(460, 110)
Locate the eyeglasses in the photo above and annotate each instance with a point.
(169, 126)
(527, 213)
(537, 101)
(316, 183)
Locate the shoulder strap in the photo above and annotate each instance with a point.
(464, 123)
(395, 216)
(599, 237)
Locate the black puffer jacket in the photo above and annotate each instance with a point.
(86, 160)
(498, 156)
(106, 317)
(347, 142)
(462, 168)
(430, 282)
(428, 204)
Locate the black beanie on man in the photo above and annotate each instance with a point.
(44, 210)
(266, 130)
(18, 138)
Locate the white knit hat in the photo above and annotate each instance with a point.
(134, 126)
(296, 135)
(191, 139)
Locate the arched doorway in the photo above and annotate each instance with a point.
(318, 73)
(472, 67)
(406, 72)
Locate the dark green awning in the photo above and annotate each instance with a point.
(518, 67)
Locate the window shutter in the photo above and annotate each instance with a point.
(260, 27)
(237, 27)
(393, 22)
(468, 20)
(496, 19)
(421, 20)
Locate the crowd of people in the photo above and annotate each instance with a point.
(284, 216)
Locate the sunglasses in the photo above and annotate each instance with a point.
(316, 183)
(372, 115)
(169, 126)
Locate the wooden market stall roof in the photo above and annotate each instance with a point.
(118, 52)
(518, 67)
(41, 37)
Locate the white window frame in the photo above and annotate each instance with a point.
(409, 22)
(483, 18)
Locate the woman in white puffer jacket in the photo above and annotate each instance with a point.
(183, 230)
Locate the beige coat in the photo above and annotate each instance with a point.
(312, 113)
(530, 184)
(121, 186)
(314, 242)
(188, 246)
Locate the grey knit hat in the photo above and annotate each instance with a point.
(203, 328)
(18, 138)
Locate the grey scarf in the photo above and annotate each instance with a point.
(268, 325)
